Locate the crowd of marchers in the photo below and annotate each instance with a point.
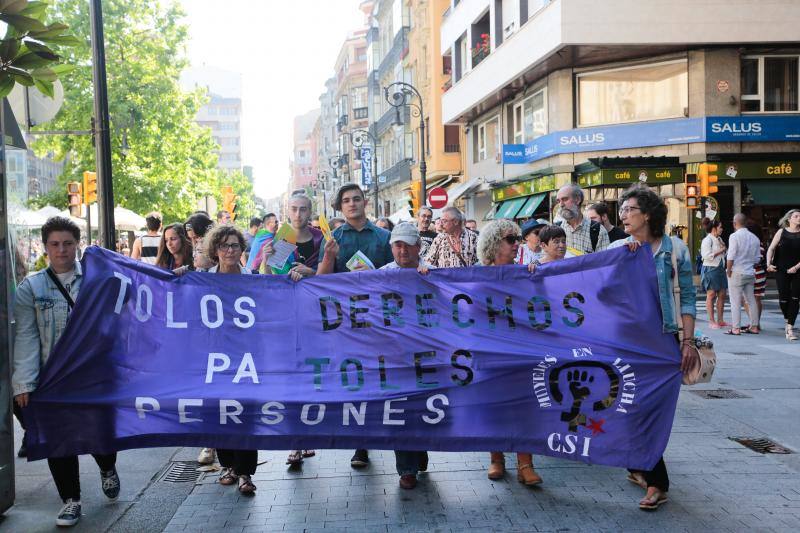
(45, 298)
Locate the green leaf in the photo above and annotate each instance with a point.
(22, 23)
(13, 6)
(52, 30)
(62, 69)
(46, 74)
(9, 49)
(6, 84)
(36, 10)
(31, 60)
(45, 86)
(63, 40)
(38, 48)
(27, 81)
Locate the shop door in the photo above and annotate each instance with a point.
(726, 209)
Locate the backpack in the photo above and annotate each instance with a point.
(594, 232)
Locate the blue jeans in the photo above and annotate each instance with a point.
(407, 462)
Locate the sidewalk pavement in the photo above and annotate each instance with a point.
(717, 484)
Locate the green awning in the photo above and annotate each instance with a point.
(531, 206)
(509, 208)
(774, 192)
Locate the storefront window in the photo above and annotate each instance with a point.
(770, 84)
(633, 94)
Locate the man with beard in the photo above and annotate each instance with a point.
(426, 234)
(583, 235)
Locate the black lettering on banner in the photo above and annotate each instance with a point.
(426, 316)
(355, 311)
(456, 318)
(327, 325)
(343, 368)
(317, 362)
(382, 370)
(578, 311)
(421, 371)
(494, 312)
(469, 375)
(548, 315)
(392, 304)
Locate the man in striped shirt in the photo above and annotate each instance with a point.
(145, 248)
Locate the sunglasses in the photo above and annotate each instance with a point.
(512, 239)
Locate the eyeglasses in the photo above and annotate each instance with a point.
(627, 209)
(233, 247)
(512, 239)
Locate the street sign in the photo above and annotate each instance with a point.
(366, 166)
(437, 198)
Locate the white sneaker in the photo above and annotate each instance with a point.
(790, 333)
(206, 456)
(69, 514)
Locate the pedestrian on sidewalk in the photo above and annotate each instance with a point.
(712, 274)
(174, 248)
(644, 217)
(744, 251)
(226, 245)
(357, 234)
(783, 258)
(498, 244)
(760, 269)
(145, 248)
(43, 303)
(406, 245)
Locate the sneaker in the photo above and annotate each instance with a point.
(23, 448)
(360, 459)
(206, 456)
(69, 514)
(110, 481)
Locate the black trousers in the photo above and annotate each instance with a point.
(67, 477)
(657, 477)
(243, 462)
(788, 294)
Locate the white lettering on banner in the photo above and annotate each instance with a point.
(247, 369)
(171, 313)
(183, 404)
(251, 319)
(628, 388)
(124, 281)
(584, 138)
(276, 417)
(143, 293)
(430, 404)
(320, 414)
(204, 310)
(360, 414)
(736, 127)
(568, 444)
(146, 401)
(388, 412)
(230, 409)
(539, 383)
(213, 367)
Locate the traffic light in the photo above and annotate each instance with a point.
(229, 201)
(74, 197)
(692, 191)
(415, 195)
(89, 187)
(706, 176)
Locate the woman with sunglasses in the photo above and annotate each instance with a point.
(498, 244)
(174, 249)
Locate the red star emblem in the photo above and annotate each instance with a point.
(596, 426)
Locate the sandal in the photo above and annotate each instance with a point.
(752, 330)
(227, 477)
(637, 479)
(309, 453)
(733, 331)
(295, 458)
(654, 501)
(246, 485)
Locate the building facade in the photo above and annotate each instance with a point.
(304, 158)
(553, 92)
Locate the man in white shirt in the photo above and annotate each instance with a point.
(744, 251)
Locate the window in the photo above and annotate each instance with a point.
(530, 118)
(488, 140)
(770, 84)
(359, 97)
(632, 94)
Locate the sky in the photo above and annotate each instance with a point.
(284, 51)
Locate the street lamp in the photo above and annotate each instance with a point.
(357, 139)
(401, 95)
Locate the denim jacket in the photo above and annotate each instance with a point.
(41, 312)
(663, 260)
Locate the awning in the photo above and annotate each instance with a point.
(774, 192)
(510, 208)
(401, 215)
(531, 206)
(461, 189)
(442, 181)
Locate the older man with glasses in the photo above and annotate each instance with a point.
(455, 246)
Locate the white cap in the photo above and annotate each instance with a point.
(406, 232)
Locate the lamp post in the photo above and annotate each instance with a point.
(323, 178)
(357, 139)
(399, 94)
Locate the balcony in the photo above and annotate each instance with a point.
(395, 54)
(400, 171)
(388, 119)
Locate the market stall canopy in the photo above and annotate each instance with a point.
(26, 218)
(124, 219)
(50, 211)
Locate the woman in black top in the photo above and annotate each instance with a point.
(175, 248)
(783, 258)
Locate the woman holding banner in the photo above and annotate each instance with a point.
(644, 217)
(225, 246)
(498, 244)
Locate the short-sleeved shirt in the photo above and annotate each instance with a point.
(441, 254)
(580, 238)
(371, 240)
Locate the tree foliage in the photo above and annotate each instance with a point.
(161, 158)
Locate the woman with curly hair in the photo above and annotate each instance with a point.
(498, 244)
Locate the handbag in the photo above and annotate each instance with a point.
(706, 362)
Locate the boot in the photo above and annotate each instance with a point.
(497, 468)
(525, 472)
